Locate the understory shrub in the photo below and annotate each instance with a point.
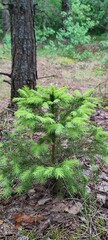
(73, 31)
(105, 61)
(71, 35)
(5, 50)
(42, 36)
(52, 135)
(86, 55)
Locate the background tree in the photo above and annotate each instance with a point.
(65, 5)
(48, 14)
(5, 18)
(23, 44)
(99, 13)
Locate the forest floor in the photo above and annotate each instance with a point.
(38, 214)
(60, 71)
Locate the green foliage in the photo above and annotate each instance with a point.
(72, 30)
(86, 12)
(67, 40)
(5, 50)
(99, 14)
(72, 34)
(48, 14)
(52, 134)
(59, 32)
(7, 45)
(104, 44)
(42, 36)
(85, 55)
(105, 61)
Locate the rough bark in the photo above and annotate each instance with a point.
(23, 43)
(66, 6)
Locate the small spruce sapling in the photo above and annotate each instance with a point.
(52, 133)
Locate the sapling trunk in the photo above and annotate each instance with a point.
(53, 148)
(53, 136)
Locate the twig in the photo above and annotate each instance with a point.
(10, 110)
(35, 5)
(5, 74)
(98, 85)
(47, 76)
(3, 9)
(7, 82)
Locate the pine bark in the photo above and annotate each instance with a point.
(66, 6)
(24, 70)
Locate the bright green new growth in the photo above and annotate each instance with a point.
(52, 134)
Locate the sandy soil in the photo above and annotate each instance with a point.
(60, 71)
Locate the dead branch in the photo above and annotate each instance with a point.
(6, 81)
(9, 75)
(47, 76)
(5, 74)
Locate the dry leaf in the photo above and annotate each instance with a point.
(101, 198)
(19, 218)
(43, 201)
(44, 226)
(58, 208)
(7, 229)
(75, 209)
(1, 222)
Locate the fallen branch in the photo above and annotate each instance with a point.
(47, 76)
(7, 82)
(9, 75)
(5, 74)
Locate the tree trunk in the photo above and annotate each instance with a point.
(24, 71)
(66, 6)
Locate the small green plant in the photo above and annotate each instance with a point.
(1, 52)
(5, 50)
(104, 44)
(52, 133)
(86, 55)
(7, 45)
(75, 29)
(42, 36)
(31, 235)
(105, 61)
(72, 34)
